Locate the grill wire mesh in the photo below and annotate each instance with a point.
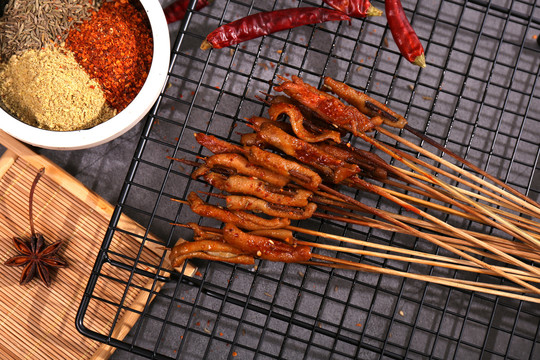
(478, 96)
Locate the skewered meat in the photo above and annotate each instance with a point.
(337, 170)
(365, 104)
(312, 122)
(300, 174)
(249, 203)
(240, 218)
(297, 122)
(208, 250)
(371, 164)
(278, 234)
(328, 107)
(242, 166)
(250, 139)
(264, 247)
(203, 233)
(237, 184)
(257, 121)
(217, 146)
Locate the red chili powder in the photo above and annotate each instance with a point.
(115, 47)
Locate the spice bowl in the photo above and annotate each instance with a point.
(127, 117)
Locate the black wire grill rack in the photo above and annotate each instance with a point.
(478, 96)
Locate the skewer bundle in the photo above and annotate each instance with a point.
(294, 164)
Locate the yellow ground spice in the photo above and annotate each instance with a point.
(47, 88)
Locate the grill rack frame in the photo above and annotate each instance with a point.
(442, 305)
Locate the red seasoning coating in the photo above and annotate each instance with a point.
(114, 47)
(264, 23)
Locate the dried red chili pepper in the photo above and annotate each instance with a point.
(264, 23)
(403, 33)
(354, 8)
(115, 47)
(177, 10)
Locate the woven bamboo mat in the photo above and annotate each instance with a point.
(37, 322)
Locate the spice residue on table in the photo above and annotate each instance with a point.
(109, 41)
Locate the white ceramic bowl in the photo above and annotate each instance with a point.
(123, 121)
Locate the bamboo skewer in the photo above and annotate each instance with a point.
(494, 199)
(341, 263)
(432, 239)
(384, 226)
(460, 244)
(521, 234)
(470, 165)
(499, 290)
(444, 262)
(501, 223)
(400, 157)
(464, 194)
(515, 219)
(520, 199)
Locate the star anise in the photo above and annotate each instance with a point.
(34, 255)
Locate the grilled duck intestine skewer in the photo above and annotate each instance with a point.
(242, 219)
(328, 107)
(369, 187)
(371, 107)
(237, 203)
(226, 216)
(256, 205)
(264, 158)
(347, 153)
(237, 246)
(296, 88)
(250, 245)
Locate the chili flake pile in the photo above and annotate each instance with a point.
(115, 47)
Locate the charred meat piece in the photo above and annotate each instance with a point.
(299, 173)
(217, 146)
(242, 219)
(237, 184)
(249, 203)
(238, 164)
(297, 119)
(264, 247)
(208, 250)
(372, 165)
(328, 107)
(365, 103)
(335, 169)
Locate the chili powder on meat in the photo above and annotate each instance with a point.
(115, 47)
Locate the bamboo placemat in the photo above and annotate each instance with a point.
(37, 322)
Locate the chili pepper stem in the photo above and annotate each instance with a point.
(206, 45)
(420, 61)
(373, 11)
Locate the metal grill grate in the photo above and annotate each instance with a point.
(478, 96)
